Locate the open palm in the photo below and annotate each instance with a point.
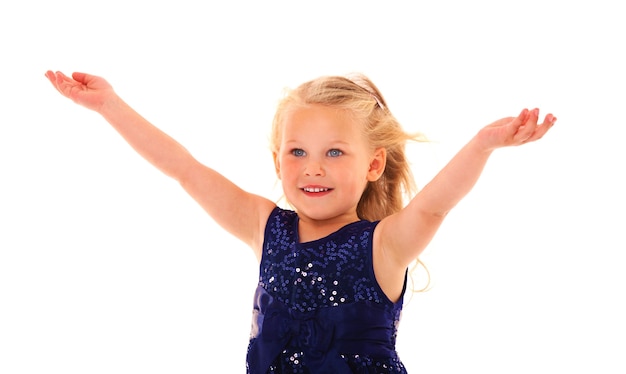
(87, 90)
(518, 130)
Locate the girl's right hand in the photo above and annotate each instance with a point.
(87, 90)
(514, 131)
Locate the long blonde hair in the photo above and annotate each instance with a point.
(358, 95)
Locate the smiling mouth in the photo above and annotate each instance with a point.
(315, 189)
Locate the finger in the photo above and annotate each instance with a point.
(543, 128)
(523, 116)
(65, 84)
(61, 81)
(511, 124)
(527, 129)
(81, 77)
(64, 78)
(51, 77)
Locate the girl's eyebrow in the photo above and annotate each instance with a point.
(292, 141)
(342, 142)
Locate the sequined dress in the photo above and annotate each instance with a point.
(318, 308)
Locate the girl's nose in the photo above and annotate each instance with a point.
(314, 168)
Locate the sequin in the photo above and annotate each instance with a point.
(305, 288)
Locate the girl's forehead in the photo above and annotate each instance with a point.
(318, 110)
(320, 125)
(321, 117)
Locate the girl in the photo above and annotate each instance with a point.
(332, 270)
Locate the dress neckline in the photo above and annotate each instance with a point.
(334, 233)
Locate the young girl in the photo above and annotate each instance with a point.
(332, 270)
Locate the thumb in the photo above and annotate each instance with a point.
(81, 77)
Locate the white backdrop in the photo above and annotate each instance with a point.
(106, 266)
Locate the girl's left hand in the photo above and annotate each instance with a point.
(87, 90)
(512, 131)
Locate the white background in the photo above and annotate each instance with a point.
(106, 266)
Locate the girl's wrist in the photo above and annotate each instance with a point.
(110, 105)
(479, 146)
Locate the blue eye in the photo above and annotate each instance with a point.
(335, 153)
(298, 152)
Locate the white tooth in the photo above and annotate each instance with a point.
(315, 189)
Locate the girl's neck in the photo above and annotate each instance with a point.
(310, 229)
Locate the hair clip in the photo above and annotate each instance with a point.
(380, 105)
(361, 83)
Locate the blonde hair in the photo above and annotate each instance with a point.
(357, 95)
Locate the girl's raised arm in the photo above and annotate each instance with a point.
(241, 213)
(405, 235)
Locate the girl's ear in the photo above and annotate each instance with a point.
(276, 164)
(377, 164)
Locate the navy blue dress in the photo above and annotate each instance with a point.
(318, 308)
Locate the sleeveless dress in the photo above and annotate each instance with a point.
(318, 308)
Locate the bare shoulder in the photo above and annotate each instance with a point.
(403, 236)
